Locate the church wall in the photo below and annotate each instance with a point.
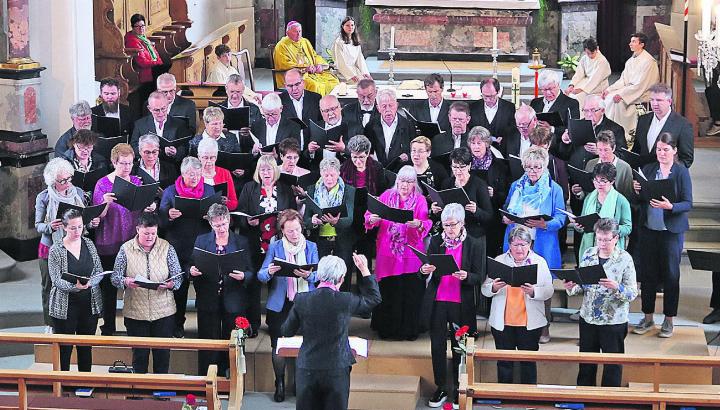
(209, 15)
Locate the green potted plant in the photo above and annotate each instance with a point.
(569, 64)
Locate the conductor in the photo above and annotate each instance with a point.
(323, 365)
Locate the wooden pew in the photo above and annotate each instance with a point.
(194, 63)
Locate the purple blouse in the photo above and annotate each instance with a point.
(118, 225)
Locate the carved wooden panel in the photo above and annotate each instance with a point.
(194, 64)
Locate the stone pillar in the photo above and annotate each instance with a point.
(578, 21)
(23, 147)
(328, 16)
(236, 10)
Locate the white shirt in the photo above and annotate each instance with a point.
(388, 132)
(327, 153)
(434, 111)
(490, 112)
(298, 104)
(242, 104)
(524, 145)
(158, 130)
(655, 127)
(548, 104)
(366, 116)
(115, 114)
(457, 140)
(271, 133)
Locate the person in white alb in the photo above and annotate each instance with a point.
(348, 55)
(591, 74)
(641, 71)
(222, 69)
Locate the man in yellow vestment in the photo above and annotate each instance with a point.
(294, 51)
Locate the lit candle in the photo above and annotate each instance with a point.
(392, 37)
(516, 75)
(495, 38)
(706, 17)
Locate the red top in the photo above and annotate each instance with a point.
(143, 60)
(223, 175)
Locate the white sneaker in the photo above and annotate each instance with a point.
(49, 330)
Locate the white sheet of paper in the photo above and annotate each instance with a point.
(357, 344)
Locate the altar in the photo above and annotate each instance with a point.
(454, 29)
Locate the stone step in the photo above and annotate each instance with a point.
(383, 391)
(6, 266)
(702, 246)
(705, 210)
(703, 233)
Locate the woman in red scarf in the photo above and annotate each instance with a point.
(182, 230)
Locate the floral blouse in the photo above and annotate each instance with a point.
(268, 203)
(603, 306)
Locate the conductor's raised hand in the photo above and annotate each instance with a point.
(361, 263)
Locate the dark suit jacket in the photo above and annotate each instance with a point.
(286, 129)
(62, 143)
(476, 190)
(421, 111)
(127, 119)
(400, 143)
(676, 219)
(183, 107)
(578, 156)
(227, 144)
(473, 262)
(676, 125)
(324, 317)
(254, 110)
(310, 108)
(234, 294)
(168, 174)
(510, 144)
(561, 105)
(352, 114)
(443, 143)
(502, 125)
(174, 128)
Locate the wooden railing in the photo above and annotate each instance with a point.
(653, 395)
(23, 378)
(55, 340)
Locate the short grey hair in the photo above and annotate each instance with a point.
(359, 143)
(234, 79)
(330, 162)
(548, 76)
(386, 93)
(607, 225)
(535, 154)
(453, 211)
(80, 109)
(520, 232)
(271, 102)
(661, 88)
(525, 110)
(54, 168)
(149, 138)
(166, 78)
(596, 98)
(407, 172)
(207, 146)
(189, 163)
(480, 133)
(218, 211)
(331, 269)
(212, 114)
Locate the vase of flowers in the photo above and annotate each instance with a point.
(242, 330)
(461, 335)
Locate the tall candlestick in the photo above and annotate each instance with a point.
(515, 75)
(706, 17)
(495, 44)
(392, 37)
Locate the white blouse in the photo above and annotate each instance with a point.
(349, 59)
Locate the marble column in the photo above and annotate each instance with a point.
(578, 22)
(328, 16)
(23, 147)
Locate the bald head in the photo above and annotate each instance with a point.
(294, 83)
(330, 109)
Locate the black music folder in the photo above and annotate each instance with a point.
(107, 126)
(88, 214)
(258, 216)
(655, 189)
(134, 197)
(703, 260)
(235, 160)
(147, 179)
(302, 181)
(630, 157)
(95, 279)
(581, 132)
(388, 213)
(428, 129)
(447, 196)
(585, 275)
(553, 118)
(221, 188)
(522, 220)
(164, 142)
(299, 122)
(515, 166)
(323, 136)
(104, 145)
(268, 149)
(235, 118)
(287, 269)
(146, 283)
(195, 208)
(515, 276)
(582, 178)
(214, 266)
(87, 180)
(316, 209)
(587, 221)
(444, 264)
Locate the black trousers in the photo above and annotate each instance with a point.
(79, 321)
(342, 249)
(322, 389)
(274, 321)
(216, 324)
(444, 313)
(517, 338)
(661, 264)
(715, 297)
(254, 309)
(397, 316)
(605, 339)
(109, 297)
(712, 93)
(157, 328)
(181, 296)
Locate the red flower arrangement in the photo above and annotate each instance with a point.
(462, 331)
(190, 399)
(242, 323)
(447, 406)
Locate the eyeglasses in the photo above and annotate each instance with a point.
(220, 225)
(153, 152)
(601, 181)
(124, 164)
(139, 25)
(459, 166)
(208, 157)
(591, 110)
(463, 119)
(451, 225)
(605, 240)
(297, 84)
(160, 110)
(519, 244)
(63, 181)
(84, 148)
(271, 114)
(358, 157)
(524, 125)
(535, 168)
(168, 92)
(331, 109)
(418, 151)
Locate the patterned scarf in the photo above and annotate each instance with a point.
(54, 198)
(527, 199)
(398, 231)
(454, 243)
(185, 191)
(295, 254)
(333, 197)
(483, 162)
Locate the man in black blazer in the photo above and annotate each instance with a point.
(272, 127)
(178, 106)
(554, 100)
(459, 118)
(358, 113)
(111, 107)
(519, 141)
(492, 112)
(234, 88)
(322, 378)
(300, 103)
(331, 117)
(160, 123)
(389, 133)
(435, 108)
(663, 119)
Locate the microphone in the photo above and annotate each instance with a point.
(451, 89)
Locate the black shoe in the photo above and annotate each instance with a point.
(279, 395)
(438, 398)
(179, 333)
(712, 317)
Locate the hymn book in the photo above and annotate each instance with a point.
(444, 264)
(515, 276)
(656, 188)
(88, 213)
(287, 269)
(582, 178)
(214, 266)
(387, 212)
(584, 275)
(195, 208)
(134, 197)
(447, 196)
